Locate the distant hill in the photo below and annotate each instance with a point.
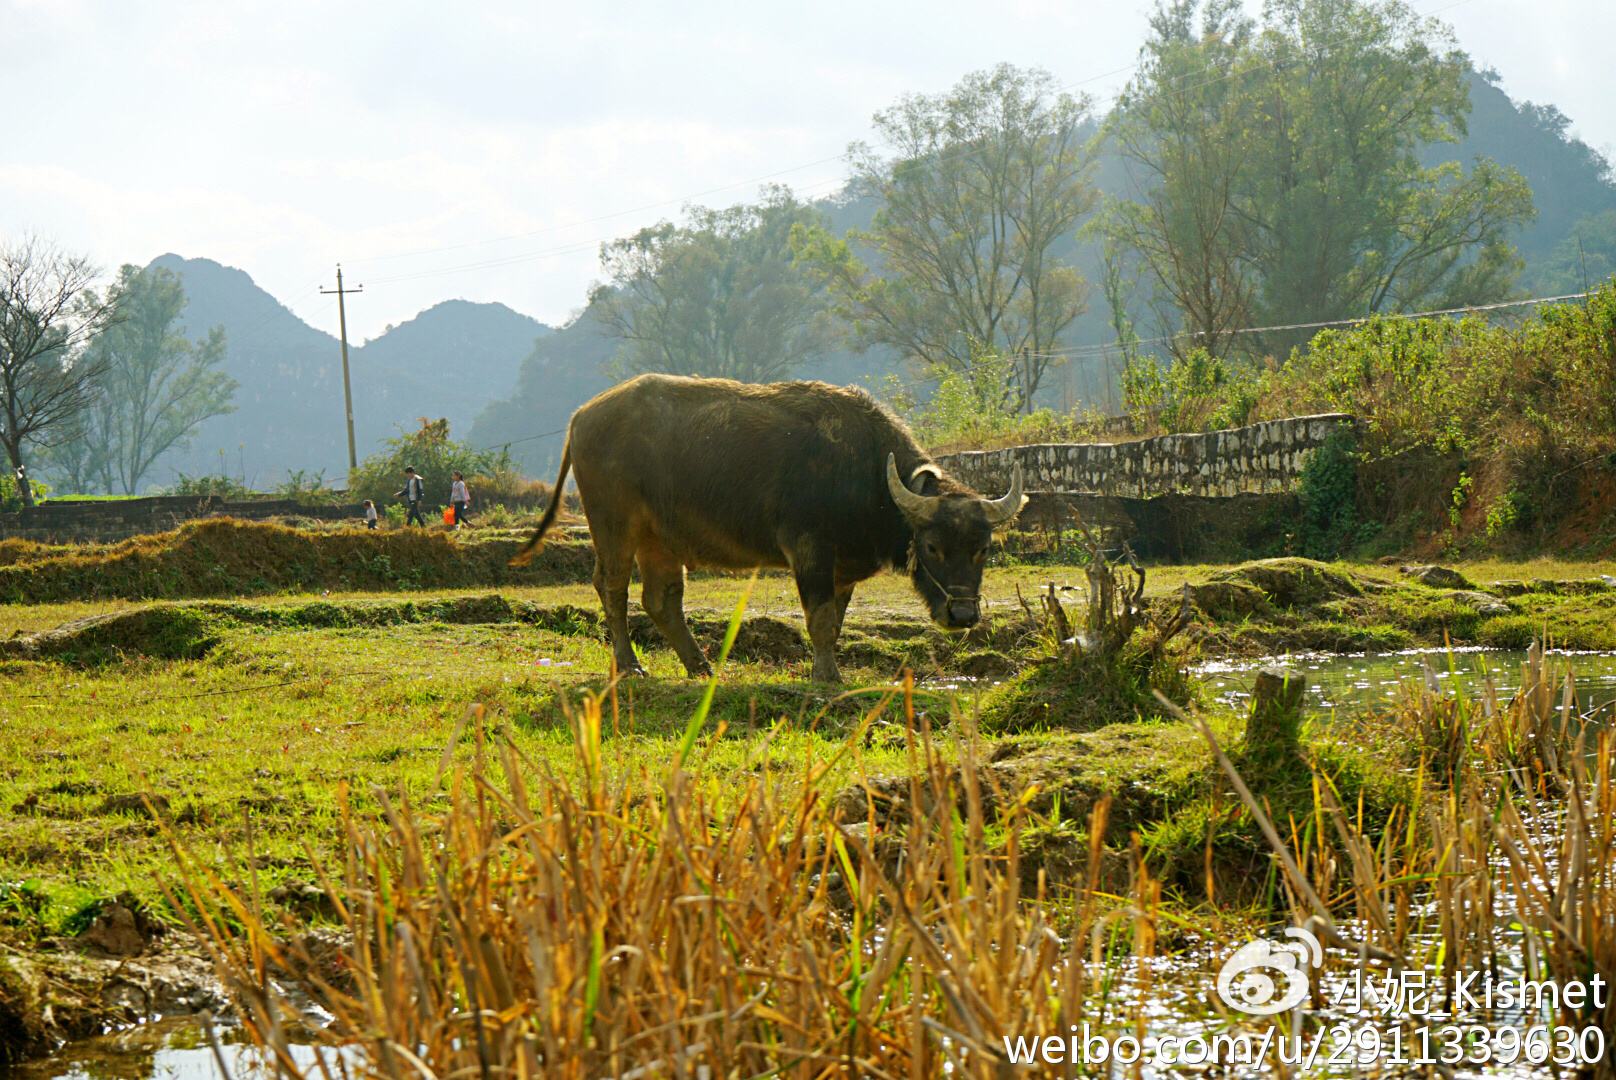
(1570, 180)
(451, 360)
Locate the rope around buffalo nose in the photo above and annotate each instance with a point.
(953, 592)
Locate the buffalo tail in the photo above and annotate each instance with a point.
(531, 548)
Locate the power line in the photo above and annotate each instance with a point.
(1102, 346)
(526, 438)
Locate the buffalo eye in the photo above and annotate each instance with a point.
(980, 557)
(933, 551)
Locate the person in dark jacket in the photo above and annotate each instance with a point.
(413, 493)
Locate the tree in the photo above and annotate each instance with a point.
(1181, 128)
(717, 296)
(433, 455)
(977, 186)
(48, 314)
(1282, 167)
(154, 386)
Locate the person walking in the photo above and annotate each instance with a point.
(370, 514)
(460, 497)
(413, 494)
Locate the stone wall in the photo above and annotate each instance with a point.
(1216, 495)
(118, 519)
(1260, 459)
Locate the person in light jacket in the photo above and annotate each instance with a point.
(460, 497)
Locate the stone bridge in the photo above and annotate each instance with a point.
(1259, 459)
(1202, 495)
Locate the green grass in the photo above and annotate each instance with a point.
(274, 722)
(295, 699)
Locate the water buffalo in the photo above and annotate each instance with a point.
(823, 480)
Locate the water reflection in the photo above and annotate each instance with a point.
(1366, 681)
(174, 1048)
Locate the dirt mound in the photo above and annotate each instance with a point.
(766, 639)
(1148, 771)
(227, 557)
(1289, 582)
(761, 638)
(1437, 577)
(161, 632)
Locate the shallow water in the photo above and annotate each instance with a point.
(1365, 682)
(174, 1049)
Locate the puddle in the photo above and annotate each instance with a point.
(1361, 682)
(175, 1048)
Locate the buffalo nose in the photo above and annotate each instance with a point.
(963, 612)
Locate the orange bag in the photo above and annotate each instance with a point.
(448, 515)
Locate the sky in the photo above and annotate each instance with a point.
(484, 150)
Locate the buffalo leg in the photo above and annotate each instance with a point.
(823, 605)
(663, 594)
(613, 565)
(843, 595)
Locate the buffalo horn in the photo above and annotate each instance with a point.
(1002, 510)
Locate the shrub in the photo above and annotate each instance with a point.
(1194, 392)
(222, 486)
(1328, 493)
(973, 410)
(10, 499)
(307, 487)
(435, 457)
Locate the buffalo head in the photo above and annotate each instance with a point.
(951, 536)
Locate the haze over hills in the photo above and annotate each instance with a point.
(504, 378)
(451, 360)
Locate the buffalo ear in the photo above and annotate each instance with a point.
(917, 508)
(925, 479)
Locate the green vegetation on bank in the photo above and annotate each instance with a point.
(1474, 434)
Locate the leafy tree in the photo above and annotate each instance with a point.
(977, 186)
(432, 454)
(1282, 168)
(718, 296)
(1181, 128)
(154, 385)
(48, 314)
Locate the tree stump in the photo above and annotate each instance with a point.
(1274, 727)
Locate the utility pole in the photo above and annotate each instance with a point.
(347, 387)
(1026, 379)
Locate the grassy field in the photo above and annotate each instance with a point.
(262, 729)
(276, 718)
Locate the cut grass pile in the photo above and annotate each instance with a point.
(227, 557)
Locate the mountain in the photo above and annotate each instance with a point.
(1570, 180)
(451, 360)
